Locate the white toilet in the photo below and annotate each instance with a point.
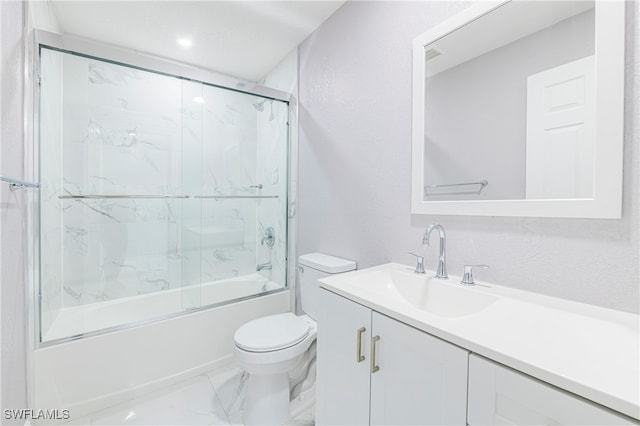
(269, 347)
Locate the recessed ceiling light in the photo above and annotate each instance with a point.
(198, 100)
(184, 42)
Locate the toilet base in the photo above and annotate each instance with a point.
(267, 400)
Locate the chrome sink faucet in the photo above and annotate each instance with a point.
(441, 272)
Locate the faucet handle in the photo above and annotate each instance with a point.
(420, 264)
(467, 277)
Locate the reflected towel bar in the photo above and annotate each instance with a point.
(99, 197)
(15, 184)
(482, 184)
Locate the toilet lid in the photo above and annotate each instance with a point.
(271, 333)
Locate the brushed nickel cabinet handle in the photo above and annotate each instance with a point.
(359, 356)
(374, 367)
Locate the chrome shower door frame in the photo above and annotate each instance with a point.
(77, 46)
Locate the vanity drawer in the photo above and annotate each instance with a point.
(500, 395)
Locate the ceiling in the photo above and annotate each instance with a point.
(244, 39)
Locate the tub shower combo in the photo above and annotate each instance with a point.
(160, 194)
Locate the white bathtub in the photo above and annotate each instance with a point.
(92, 373)
(87, 319)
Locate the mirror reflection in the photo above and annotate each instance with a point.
(510, 105)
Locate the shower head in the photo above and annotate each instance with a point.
(259, 106)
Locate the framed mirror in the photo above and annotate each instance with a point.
(518, 111)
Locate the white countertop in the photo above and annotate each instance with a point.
(591, 351)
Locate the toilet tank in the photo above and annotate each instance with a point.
(315, 266)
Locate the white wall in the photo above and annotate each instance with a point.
(354, 178)
(13, 368)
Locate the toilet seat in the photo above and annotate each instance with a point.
(272, 333)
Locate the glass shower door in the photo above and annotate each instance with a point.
(239, 247)
(159, 195)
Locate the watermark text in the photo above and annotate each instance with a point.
(33, 414)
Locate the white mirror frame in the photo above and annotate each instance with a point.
(607, 197)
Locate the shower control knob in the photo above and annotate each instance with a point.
(269, 237)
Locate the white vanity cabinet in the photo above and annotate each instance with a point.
(342, 380)
(421, 379)
(375, 370)
(578, 364)
(500, 395)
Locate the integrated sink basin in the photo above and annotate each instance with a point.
(439, 297)
(445, 298)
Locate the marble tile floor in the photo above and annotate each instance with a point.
(211, 399)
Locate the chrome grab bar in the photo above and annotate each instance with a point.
(235, 196)
(99, 197)
(116, 196)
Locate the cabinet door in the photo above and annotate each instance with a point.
(342, 383)
(421, 380)
(501, 396)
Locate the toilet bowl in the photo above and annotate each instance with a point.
(268, 348)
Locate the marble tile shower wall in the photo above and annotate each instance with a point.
(111, 129)
(121, 135)
(220, 145)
